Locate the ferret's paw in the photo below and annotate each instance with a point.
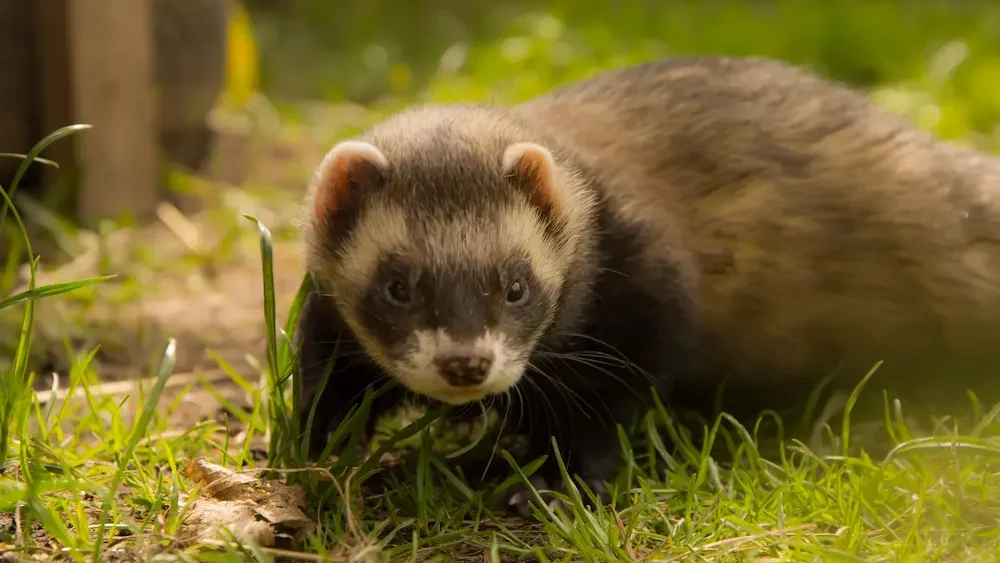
(518, 498)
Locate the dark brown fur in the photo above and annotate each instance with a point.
(757, 225)
(821, 229)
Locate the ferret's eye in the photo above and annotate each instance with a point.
(398, 293)
(517, 293)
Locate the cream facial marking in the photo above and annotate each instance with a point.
(382, 230)
(458, 239)
(458, 372)
(464, 240)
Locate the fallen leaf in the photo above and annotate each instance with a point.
(250, 508)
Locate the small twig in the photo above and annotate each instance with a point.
(713, 506)
(179, 225)
(743, 539)
(345, 493)
(625, 539)
(353, 528)
(18, 529)
(323, 472)
(125, 386)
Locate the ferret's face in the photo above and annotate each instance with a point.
(447, 326)
(448, 295)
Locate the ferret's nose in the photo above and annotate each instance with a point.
(465, 367)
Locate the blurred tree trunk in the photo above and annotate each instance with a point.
(189, 60)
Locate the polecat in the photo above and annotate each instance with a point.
(672, 225)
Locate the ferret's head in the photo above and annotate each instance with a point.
(447, 238)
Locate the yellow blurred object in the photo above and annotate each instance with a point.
(400, 77)
(241, 59)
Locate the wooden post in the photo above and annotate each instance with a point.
(112, 88)
(53, 87)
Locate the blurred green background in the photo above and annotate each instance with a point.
(936, 61)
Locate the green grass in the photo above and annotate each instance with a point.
(512, 49)
(102, 476)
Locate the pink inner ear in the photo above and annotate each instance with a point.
(333, 189)
(534, 170)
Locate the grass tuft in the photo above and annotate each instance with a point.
(16, 382)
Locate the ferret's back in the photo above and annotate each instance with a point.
(819, 222)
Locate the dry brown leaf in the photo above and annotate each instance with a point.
(252, 509)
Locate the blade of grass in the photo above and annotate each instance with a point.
(38, 159)
(277, 415)
(139, 430)
(32, 155)
(52, 289)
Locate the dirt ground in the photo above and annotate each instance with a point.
(192, 276)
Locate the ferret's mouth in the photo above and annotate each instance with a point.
(429, 384)
(462, 395)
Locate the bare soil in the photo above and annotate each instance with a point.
(192, 276)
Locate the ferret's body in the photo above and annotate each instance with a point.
(821, 230)
(722, 219)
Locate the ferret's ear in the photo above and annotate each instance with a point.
(532, 168)
(347, 171)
